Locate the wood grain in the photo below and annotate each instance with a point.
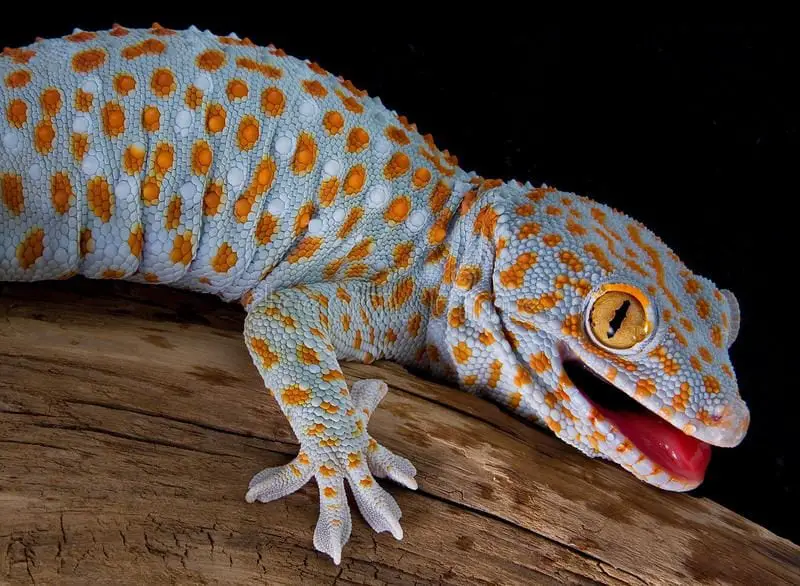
(131, 421)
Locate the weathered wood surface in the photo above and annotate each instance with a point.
(131, 421)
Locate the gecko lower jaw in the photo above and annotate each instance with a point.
(683, 457)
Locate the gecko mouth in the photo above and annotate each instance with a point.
(675, 452)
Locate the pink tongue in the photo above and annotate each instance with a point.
(666, 445)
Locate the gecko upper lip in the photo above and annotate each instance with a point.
(668, 447)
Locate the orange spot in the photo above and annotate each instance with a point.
(215, 118)
(273, 101)
(305, 156)
(81, 37)
(113, 119)
(13, 196)
(133, 159)
(86, 242)
(61, 192)
(485, 222)
(173, 219)
(398, 210)
(357, 140)
(51, 101)
(539, 362)
(307, 355)
(397, 135)
(163, 83)
(597, 253)
(31, 248)
(164, 159)
(237, 90)
(401, 293)
(225, 258)
(264, 69)
(296, 395)
(456, 317)
(212, 198)
(402, 254)
(182, 249)
(645, 388)
(462, 352)
(314, 88)
(327, 191)
(303, 217)
(210, 60)
(421, 178)
(514, 276)
(124, 84)
(305, 249)
(17, 113)
(266, 228)
(552, 240)
(353, 216)
(248, 133)
(99, 198)
(88, 60)
(703, 308)
(193, 97)
(354, 181)
(21, 56)
(333, 122)
(201, 157)
(711, 384)
(79, 145)
(136, 240)
(151, 119)
(18, 79)
(397, 166)
(439, 197)
(44, 136)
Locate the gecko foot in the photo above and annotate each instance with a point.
(331, 468)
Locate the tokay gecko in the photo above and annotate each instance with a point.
(210, 164)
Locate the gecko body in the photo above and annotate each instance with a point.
(211, 164)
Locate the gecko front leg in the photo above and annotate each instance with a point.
(287, 335)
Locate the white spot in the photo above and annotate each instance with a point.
(338, 215)
(417, 219)
(188, 190)
(377, 196)
(203, 82)
(60, 256)
(90, 165)
(276, 206)
(283, 145)
(90, 86)
(35, 172)
(383, 146)
(183, 119)
(315, 226)
(11, 141)
(234, 36)
(123, 189)
(235, 177)
(332, 168)
(308, 109)
(82, 124)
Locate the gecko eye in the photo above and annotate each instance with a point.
(618, 318)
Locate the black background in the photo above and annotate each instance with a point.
(693, 130)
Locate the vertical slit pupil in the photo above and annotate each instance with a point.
(619, 317)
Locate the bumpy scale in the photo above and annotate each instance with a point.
(210, 164)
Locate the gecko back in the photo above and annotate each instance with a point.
(200, 161)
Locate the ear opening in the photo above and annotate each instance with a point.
(735, 316)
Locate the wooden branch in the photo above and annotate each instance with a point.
(132, 419)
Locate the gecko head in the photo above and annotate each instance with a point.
(625, 349)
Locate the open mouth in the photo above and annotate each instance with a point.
(678, 454)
